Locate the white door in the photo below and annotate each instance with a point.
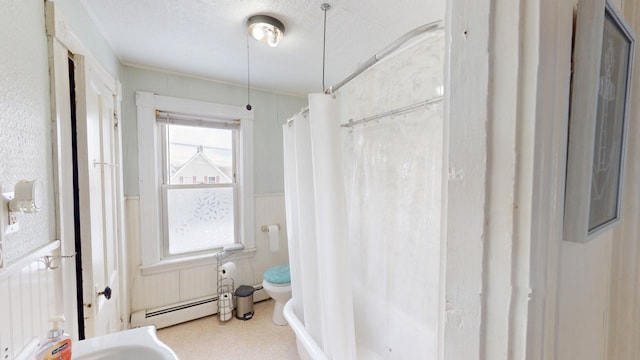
(97, 131)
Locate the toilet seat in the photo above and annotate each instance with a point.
(277, 283)
(278, 275)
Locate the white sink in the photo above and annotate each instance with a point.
(140, 344)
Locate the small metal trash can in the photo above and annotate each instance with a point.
(244, 299)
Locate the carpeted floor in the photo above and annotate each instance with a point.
(257, 338)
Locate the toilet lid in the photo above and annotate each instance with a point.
(278, 275)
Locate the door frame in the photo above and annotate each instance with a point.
(62, 43)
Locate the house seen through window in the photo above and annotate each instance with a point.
(199, 187)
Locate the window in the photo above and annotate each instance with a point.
(195, 164)
(200, 213)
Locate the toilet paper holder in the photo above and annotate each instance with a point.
(265, 228)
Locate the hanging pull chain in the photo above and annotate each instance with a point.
(248, 77)
(324, 7)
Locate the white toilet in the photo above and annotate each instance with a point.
(276, 281)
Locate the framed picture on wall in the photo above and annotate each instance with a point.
(600, 93)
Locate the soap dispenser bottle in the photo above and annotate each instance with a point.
(58, 344)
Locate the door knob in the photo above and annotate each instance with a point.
(106, 292)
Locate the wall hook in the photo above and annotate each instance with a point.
(48, 260)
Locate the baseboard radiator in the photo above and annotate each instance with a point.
(186, 311)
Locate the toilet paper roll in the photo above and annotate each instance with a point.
(225, 305)
(227, 270)
(274, 237)
(225, 316)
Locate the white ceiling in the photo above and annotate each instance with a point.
(207, 38)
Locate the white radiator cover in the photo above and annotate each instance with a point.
(185, 311)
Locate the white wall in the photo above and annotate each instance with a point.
(80, 22)
(584, 298)
(25, 141)
(27, 294)
(270, 111)
(598, 293)
(624, 329)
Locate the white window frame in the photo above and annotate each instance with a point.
(150, 168)
(163, 149)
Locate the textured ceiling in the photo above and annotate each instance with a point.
(208, 38)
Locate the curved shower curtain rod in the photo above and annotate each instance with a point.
(432, 26)
(436, 25)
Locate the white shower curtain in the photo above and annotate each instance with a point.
(363, 208)
(318, 247)
(393, 169)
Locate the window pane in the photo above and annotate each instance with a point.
(199, 155)
(200, 219)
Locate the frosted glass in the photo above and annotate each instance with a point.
(200, 219)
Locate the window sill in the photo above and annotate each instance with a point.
(167, 265)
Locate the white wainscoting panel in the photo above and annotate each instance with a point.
(197, 282)
(28, 300)
(152, 291)
(163, 289)
(270, 210)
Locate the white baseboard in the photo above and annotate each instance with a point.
(186, 311)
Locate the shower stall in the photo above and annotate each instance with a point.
(363, 188)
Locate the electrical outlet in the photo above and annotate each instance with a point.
(8, 219)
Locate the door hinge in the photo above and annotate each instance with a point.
(115, 121)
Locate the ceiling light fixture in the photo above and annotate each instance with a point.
(266, 29)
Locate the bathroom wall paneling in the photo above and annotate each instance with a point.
(27, 303)
(197, 282)
(161, 289)
(504, 186)
(464, 184)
